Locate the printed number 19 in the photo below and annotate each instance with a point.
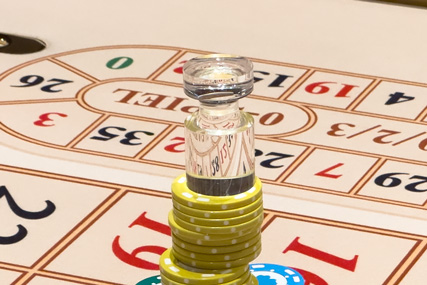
(322, 88)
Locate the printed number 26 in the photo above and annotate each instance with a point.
(33, 80)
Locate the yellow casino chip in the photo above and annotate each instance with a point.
(206, 229)
(242, 280)
(220, 214)
(210, 243)
(250, 280)
(189, 198)
(171, 269)
(210, 265)
(235, 220)
(253, 280)
(230, 256)
(216, 249)
(167, 281)
(210, 239)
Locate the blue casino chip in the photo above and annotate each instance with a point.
(273, 274)
(153, 280)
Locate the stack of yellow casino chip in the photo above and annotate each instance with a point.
(214, 237)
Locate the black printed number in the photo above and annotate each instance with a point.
(390, 180)
(33, 80)
(215, 165)
(275, 157)
(22, 231)
(398, 97)
(130, 138)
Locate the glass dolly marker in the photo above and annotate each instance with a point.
(217, 204)
(219, 137)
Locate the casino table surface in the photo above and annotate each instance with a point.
(91, 135)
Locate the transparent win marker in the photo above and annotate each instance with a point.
(219, 137)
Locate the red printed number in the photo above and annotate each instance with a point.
(131, 258)
(174, 147)
(45, 120)
(179, 69)
(311, 278)
(323, 88)
(325, 173)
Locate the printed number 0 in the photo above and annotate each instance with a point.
(119, 62)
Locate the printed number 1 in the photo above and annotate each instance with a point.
(310, 278)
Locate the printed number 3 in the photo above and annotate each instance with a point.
(45, 118)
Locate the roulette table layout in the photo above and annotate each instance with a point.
(92, 136)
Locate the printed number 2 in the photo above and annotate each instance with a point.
(175, 146)
(22, 231)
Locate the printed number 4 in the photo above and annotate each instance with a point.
(398, 97)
